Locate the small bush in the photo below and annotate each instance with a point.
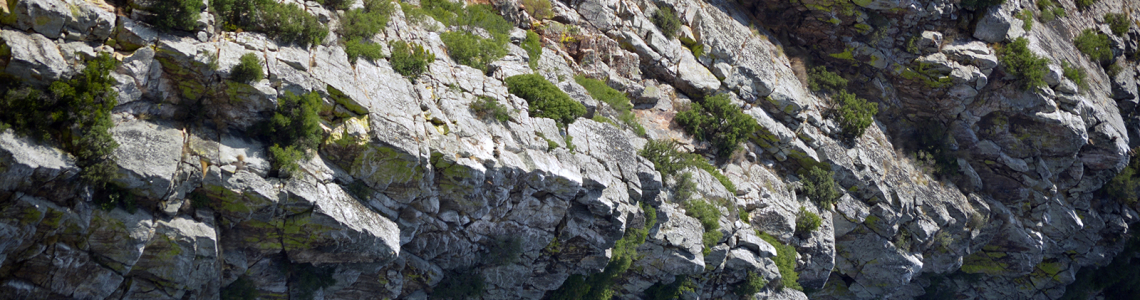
(1125, 187)
(538, 9)
(355, 48)
(336, 4)
(855, 114)
(545, 99)
(487, 107)
(819, 185)
(410, 59)
(681, 283)
(1050, 10)
(785, 261)
(364, 23)
(295, 124)
(533, 47)
(718, 122)
(1075, 73)
(685, 187)
(668, 159)
(240, 289)
(176, 14)
(980, 4)
(1021, 62)
(1026, 18)
(666, 19)
(286, 23)
(1094, 44)
(469, 49)
(248, 69)
(752, 284)
(709, 216)
(617, 100)
(599, 286)
(819, 78)
(806, 222)
(459, 284)
(1084, 4)
(1117, 22)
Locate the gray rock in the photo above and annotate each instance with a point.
(999, 24)
(130, 35)
(182, 256)
(931, 42)
(29, 165)
(46, 17)
(148, 156)
(118, 237)
(331, 227)
(974, 53)
(747, 239)
(35, 58)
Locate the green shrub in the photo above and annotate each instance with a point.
(785, 261)
(819, 185)
(112, 195)
(295, 124)
(681, 283)
(471, 50)
(819, 78)
(176, 14)
(980, 4)
(1050, 10)
(459, 284)
(806, 222)
(1125, 186)
(364, 23)
(248, 69)
(617, 100)
(668, 159)
(934, 147)
(1114, 69)
(1026, 18)
(855, 114)
(410, 59)
(701, 163)
(599, 286)
(336, 4)
(685, 187)
(355, 48)
(240, 289)
(718, 122)
(545, 99)
(666, 20)
(463, 46)
(1094, 44)
(538, 9)
(286, 23)
(709, 216)
(1075, 73)
(752, 284)
(1021, 62)
(533, 47)
(487, 107)
(1117, 22)
(1084, 4)
(81, 104)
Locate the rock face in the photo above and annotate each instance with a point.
(966, 185)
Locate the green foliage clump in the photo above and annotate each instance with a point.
(855, 114)
(617, 100)
(668, 159)
(504, 250)
(934, 148)
(459, 284)
(718, 122)
(248, 69)
(355, 48)
(752, 284)
(538, 9)
(240, 289)
(533, 47)
(287, 23)
(336, 4)
(599, 286)
(1050, 10)
(1094, 44)
(463, 46)
(1084, 4)
(709, 216)
(294, 130)
(176, 14)
(819, 78)
(1125, 187)
(1117, 22)
(545, 99)
(364, 23)
(74, 113)
(806, 222)
(980, 4)
(471, 50)
(1075, 73)
(1021, 62)
(666, 19)
(1026, 19)
(112, 195)
(785, 261)
(410, 59)
(487, 107)
(681, 283)
(819, 185)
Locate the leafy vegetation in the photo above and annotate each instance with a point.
(934, 149)
(752, 284)
(785, 261)
(806, 222)
(819, 185)
(1021, 62)
(695, 47)
(709, 216)
(538, 9)
(464, 46)
(364, 23)
(1117, 22)
(1125, 187)
(855, 114)
(617, 100)
(294, 130)
(1026, 18)
(1075, 73)
(666, 20)
(1084, 4)
(75, 114)
(287, 23)
(469, 49)
(248, 69)
(487, 107)
(355, 48)
(1094, 44)
(459, 284)
(533, 47)
(668, 159)
(240, 289)
(410, 59)
(681, 283)
(718, 122)
(819, 79)
(1050, 10)
(599, 286)
(545, 99)
(176, 14)
(980, 4)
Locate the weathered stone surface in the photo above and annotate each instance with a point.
(148, 156)
(34, 58)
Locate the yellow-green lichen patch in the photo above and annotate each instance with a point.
(382, 166)
(847, 54)
(983, 262)
(342, 99)
(30, 215)
(1047, 269)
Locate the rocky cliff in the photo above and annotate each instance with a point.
(966, 184)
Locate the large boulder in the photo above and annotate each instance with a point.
(148, 156)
